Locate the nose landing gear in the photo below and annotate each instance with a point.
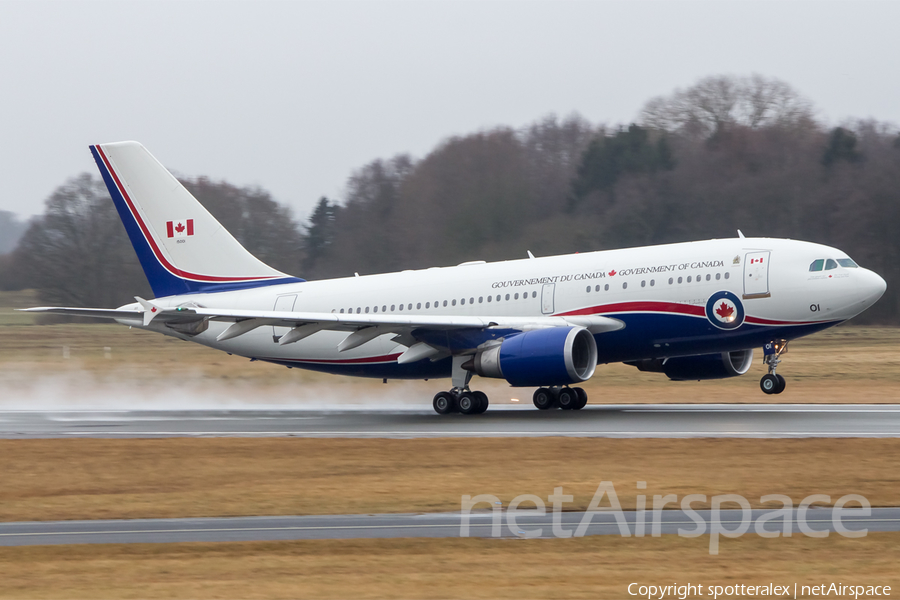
(772, 383)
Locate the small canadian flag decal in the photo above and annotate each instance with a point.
(180, 228)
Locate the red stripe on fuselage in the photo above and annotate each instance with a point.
(654, 307)
(342, 361)
(670, 308)
(156, 250)
(761, 321)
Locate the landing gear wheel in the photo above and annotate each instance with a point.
(567, 398)
(444, 403)
(769, 384)
(482, 397)
(469, 403)
(781, 384)
(582, 398)
(543, 398)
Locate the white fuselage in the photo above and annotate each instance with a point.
(659, 292)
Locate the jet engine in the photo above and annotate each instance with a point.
(541, 357)
(704, 366)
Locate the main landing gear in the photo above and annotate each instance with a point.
(460, 398)
(463, 401)
(773, 383)
(565, 398)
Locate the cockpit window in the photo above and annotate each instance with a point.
(817, 265)
(830, 264)
(847, 263)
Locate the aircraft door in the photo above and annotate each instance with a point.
(547, 293)
(283, 304)
(756, 275)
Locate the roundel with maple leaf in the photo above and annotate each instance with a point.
(725, 311)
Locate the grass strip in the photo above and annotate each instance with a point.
(184, 477)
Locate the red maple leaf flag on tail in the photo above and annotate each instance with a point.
(725, 311)
(180, 228)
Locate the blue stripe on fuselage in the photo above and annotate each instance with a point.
(675, 335)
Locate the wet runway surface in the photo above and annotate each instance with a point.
(631, 421)
(500, 524)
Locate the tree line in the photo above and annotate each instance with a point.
(727, 153)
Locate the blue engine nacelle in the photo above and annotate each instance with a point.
(704, 366)
(552, 356)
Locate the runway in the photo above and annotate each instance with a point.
(613, 421)
(524, 524)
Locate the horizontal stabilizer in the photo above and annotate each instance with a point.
(96, 313)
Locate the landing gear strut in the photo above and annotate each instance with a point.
(565, 398)
(773, 383)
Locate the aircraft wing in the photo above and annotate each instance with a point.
(363, 327)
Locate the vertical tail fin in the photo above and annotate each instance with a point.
(182, 247)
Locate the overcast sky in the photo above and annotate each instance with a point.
(293, 96)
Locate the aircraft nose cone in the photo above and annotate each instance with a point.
(875, 285)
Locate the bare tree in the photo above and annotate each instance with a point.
(719, 102)
(77, 253)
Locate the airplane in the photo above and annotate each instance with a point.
(692, 311)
